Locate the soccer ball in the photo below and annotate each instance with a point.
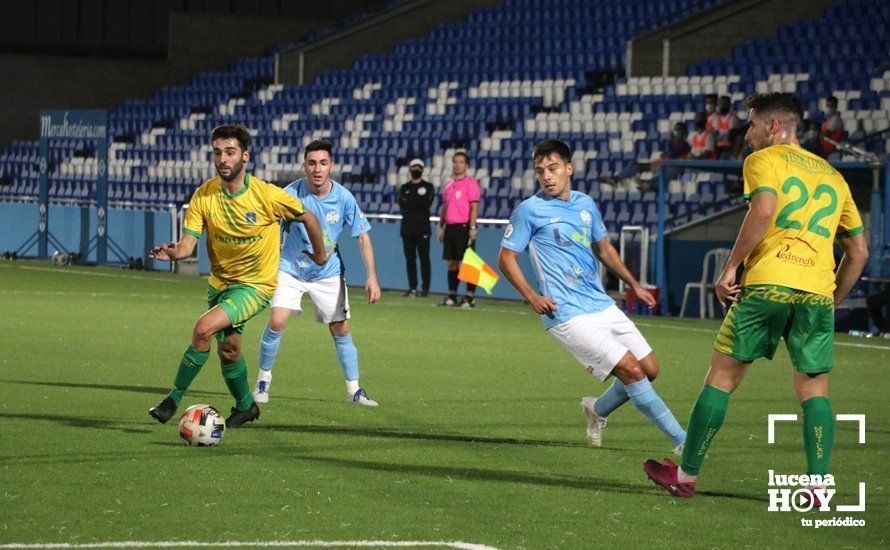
(202, 426)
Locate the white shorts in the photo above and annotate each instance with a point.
(599, 340)
(329, 296)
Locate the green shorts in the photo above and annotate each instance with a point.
(240, 302)
(765, 314)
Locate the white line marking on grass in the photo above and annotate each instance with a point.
(92, 294)
(275, 543)
(94, 273)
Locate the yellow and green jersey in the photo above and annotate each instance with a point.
(813, 207)
(243, 234)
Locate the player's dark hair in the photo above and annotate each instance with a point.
(319, 145)
(776, 102)
(232, 131)
(550, 146)
(462, 154)
(832, 99)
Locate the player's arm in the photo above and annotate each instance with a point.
(508, 263)
(372, 287)
(474, 214)
(757, 221)
(606, 253)
(855, 256)
(175, 251)
(313, 229)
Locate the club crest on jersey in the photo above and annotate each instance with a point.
(250, 218)
(421, 191)
(332, 217)
(586, 217)
(457, 194)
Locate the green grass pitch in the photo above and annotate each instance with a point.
(479, 436)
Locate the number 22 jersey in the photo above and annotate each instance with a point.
(813, 207)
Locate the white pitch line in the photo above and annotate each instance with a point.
(92, 294)
(273, 544)
(61, 270)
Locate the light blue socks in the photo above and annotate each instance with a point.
(643, 396)
(269, 348)
(347, 355)
(611, 399)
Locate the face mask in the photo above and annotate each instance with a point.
(830, 111)
(416, 173)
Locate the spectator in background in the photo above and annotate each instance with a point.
(677, 146)
(703, 145)
(811, 139)
(677, 149)
(457, 225)
(725, 125)
(832, 127)
(857, 136)
(415, 199)
(710, 104)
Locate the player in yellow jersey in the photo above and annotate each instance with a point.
(240, 215)
(799, 204)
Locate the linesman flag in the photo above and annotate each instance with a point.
(476, 272)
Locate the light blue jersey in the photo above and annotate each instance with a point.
(558, 235)
(336, 210)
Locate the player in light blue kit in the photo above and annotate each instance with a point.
(335, 208)
(564, 233)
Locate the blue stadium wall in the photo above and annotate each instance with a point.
(127, 228)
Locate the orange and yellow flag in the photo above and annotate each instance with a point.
(475, 271)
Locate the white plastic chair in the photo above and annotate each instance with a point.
(716, 257)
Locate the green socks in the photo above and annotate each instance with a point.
(189, 367)
(704, 422)
(235, 376)
(818, 434)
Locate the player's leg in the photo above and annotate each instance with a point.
(210, 323)
(331, 301)
(810, 340)
(646, 399)
(286, 299)
(590, 340)
(625, 332)
(234, 371)
(241, 303)
(709, 411)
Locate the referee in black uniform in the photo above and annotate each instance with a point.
(415, 199)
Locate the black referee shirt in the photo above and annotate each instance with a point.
(415, 200)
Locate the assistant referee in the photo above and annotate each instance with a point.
(457, 221)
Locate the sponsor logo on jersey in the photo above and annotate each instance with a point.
(508, 231)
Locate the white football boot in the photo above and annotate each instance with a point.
(361, 398)
(595, 423)
(261, 390)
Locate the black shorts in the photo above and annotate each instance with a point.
(455, 241)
